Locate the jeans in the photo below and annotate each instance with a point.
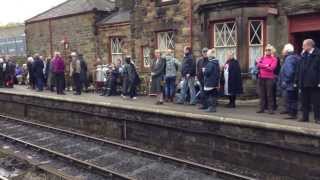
(39, 83)
(211, 98)
(170, 87)
(292, 102)
(188, 84)
(133, 91)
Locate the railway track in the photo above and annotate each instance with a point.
(107, 158)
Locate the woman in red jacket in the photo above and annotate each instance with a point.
(266, 65)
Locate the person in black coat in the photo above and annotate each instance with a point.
(211, 81)
(308, 80)
(1, 73)
(10, 72)
(83, 73)
(231, 80)
(202, 62)
(188, 72)
(38, 67)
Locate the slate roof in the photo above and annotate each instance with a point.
(117, 17)
(74, 7)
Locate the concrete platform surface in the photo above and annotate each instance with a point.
(243, 113)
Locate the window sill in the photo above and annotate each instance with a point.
(159, 3)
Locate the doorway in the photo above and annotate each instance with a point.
(298, 38)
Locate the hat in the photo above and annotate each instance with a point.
(73, 54)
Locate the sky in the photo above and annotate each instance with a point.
(13, 11)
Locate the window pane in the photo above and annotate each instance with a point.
(256, 41)
(146, 57)
(166, 40)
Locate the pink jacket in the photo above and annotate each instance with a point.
(267, 65)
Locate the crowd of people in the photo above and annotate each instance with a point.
(193, 82)
(296, 77)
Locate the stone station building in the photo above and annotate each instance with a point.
(112, 30)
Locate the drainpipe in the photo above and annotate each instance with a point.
(50, 38)
(191, 23)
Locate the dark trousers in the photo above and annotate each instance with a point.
(170, 87)
(77, 82)
(39, 83)
(292, 102)
(232, 100)
(310, 96)
(60, 82)
(266, 93)
(211, 98)
(133, 91)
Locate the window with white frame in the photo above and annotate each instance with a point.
(225, 39)
(165, 40)
(146, 56)
(256, 40)
(116, 49)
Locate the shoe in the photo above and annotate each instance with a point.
(210, 110)
(291, 117)
(284, 112)
(202, 108)
(271, 112)
(159, 103)
(134, 98)
(77, 94)
(317, 121)
(303, 120)
(260, 111)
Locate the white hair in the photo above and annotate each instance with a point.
(288, 48)
(30, 59)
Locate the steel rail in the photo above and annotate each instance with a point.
(101, 171)
(134, 149)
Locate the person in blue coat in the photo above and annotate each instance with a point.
(211, 74)
(287, 80)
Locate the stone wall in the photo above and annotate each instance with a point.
(261, 150)
(78, 30)
(107, 32)
(148, 19)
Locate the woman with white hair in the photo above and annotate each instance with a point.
(231, 79)
(30, 73)
(211, 74)
(267, 65)
(287, 80)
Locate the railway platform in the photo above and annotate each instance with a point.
(237, 140)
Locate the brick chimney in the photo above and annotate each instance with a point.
(124, 4)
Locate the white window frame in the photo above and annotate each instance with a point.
(225, 39)
(146, 53)
(256, 50)
(166, 40)
(116, 49)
